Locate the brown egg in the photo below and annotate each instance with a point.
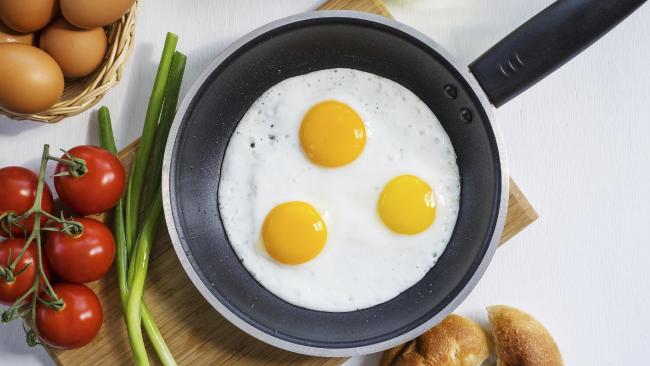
(94, 13)
(30, 80)
(78, 51)
(27, 16)
(8, 35)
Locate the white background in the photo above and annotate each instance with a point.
(579, 146)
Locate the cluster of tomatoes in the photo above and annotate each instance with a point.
(72, 251)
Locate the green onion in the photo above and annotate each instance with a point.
(144, 149)
(129, 190)
(134, 242)
(162, 132)
(106, 137)
(108, 142)
(155, 337)
(141, 264)
(142, 248)
(167, 117)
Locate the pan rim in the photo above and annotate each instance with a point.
(249, 328)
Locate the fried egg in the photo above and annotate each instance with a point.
(339, 190)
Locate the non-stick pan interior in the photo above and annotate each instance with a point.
(296, 49)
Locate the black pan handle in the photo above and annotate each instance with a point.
(546, 42)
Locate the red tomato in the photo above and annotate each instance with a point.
(82, 258)
(97, 190)
(76, 324)
(11, 291)
(18, 193)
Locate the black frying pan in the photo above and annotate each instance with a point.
(461, 98)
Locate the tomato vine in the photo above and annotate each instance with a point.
(25, 305)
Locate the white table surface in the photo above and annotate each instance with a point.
(578, 145)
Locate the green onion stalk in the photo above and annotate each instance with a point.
(166, 119)
(134, 242)
(139, 269)
(146, 140)
(155, 337)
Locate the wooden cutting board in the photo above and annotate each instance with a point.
(195, 332)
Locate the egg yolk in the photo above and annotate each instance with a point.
(294, 233)
(407, 205)
(332, 134)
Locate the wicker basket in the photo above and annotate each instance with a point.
(81, 94)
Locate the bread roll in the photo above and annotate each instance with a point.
(456, 341)
(521, 340)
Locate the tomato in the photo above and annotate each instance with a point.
(9, 250)
(17, 195)
(97, 190)
(82, 258)
(74, 325)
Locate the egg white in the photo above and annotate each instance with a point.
(363, 263)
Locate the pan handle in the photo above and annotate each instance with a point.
(546, 42)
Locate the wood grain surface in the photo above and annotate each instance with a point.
(195, 332)
(368, 6)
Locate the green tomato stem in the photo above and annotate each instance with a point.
(50, 216)
(10, 314)
(33, 308)
(14, 263)
(39, 255)
(36, 231)
(76, 167)
(36, 208)
(34, 236)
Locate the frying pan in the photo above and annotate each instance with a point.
(461, 97)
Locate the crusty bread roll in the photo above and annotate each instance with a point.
(521, 340)
(456, 341)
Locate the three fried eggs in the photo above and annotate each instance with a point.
(339, 190)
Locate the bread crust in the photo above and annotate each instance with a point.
(521, 340)
(455, 341)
